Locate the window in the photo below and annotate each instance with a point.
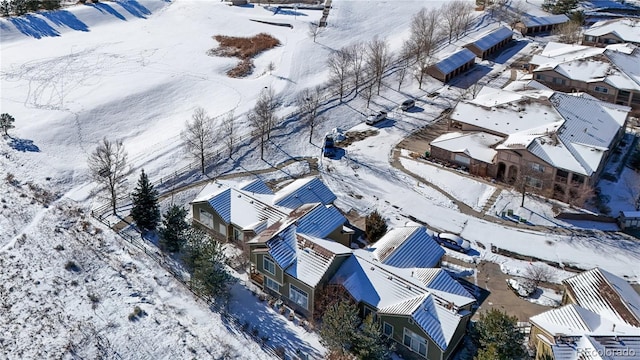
(536, 183)
(237, 235)
(558, 81)
(462, 159)
(271, 284)
(206, 219)
(298, 296)
(269, 266)
(415, 342)
(223, 229)
(539, 77)
(387, 329)
(537, 167)
(590, 38)
(601, 89)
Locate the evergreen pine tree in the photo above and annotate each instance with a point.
(339, 326)
(375, 226)
(371, 343)
(173, 229)
(19, 7)
(50, 4)
(496, 328)
(488, 353)
(6, 122)
(5, 8)
(145, 212)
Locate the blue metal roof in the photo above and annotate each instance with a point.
(221, 203)
(438, 322)
(320, 221)
(444, 282)
(418, 250)
(492, 38)
(257, 186)
(304, 191)
(283, 247)
(455, 61)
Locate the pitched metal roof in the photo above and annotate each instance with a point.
(491, 39)
(221, 203)
(625, 29)
(256, 186)
(282, 247)
(605, 294)
(320, 221)
(313, 259)
(304, 191)
(532, 21)
(439, 281)
(597, 348)
(408, 247)
(454, 61)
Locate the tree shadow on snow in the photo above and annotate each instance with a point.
(24, 145)
(33, 26)
(471, 77)
(106, 8)
(135, 8)
(66, 18)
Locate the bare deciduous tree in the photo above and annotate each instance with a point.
(308, 102)
(579, 194)
(537, 273)
(367, 91)
(357, 54)
(569, 32)
(402, 72)
(378, 59)
(421, 43)
(531, 179)
(339, 62)
(456, 17)
(229, 132)
(262, 117)
(314, 30)
(108, 167)
(198, 136)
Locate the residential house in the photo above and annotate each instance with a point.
(610, 74)
(238, 213)
(537, 24)
(452, 65)
(422, 308)
(557, 143)
(614, 31)
(491, 42)
(599, 319)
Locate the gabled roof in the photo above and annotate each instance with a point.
(454, 61)
(304, 191)
(625, 29)
(314, 256)
(477, 146)
(566, 131)
(606, 294)
(256, 186)
(491, 39)
(320, 221)
(283, 248)
(531, 21)
(597, 348)
(408, 247)
(441, 283)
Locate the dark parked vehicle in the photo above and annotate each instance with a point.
(453, 242)
(407, 104)
(328, 150)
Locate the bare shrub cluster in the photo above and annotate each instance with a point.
(244, 48)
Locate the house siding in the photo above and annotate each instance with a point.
(340, 237)
(539, 346)
(401, 322)
(437, 74)
(217, 221)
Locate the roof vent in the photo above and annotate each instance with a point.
(372, 268)
(390, 277)
(409, 287)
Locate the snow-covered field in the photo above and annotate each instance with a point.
(136, 70)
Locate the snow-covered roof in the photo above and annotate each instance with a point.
(313, 258)
(244, 210)
(494, 37)
(283, 248)
(408, 247)
(454, 61)
(605, 294)
(625, 29)
(568, 132)
(618, 67)
(304, 191)
(531, 21)
(440, 283)
(477, 146)
(597, 348)
(399, 291)
(256, 186)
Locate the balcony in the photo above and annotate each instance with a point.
(561, 179)
(256, 278)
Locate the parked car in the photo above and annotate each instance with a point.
(374, 118)
(407, 104)
(328, 150)
(453, 242)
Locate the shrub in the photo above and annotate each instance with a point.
(137, 314)
(244, 47)
(72, 266)
(375, 226)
